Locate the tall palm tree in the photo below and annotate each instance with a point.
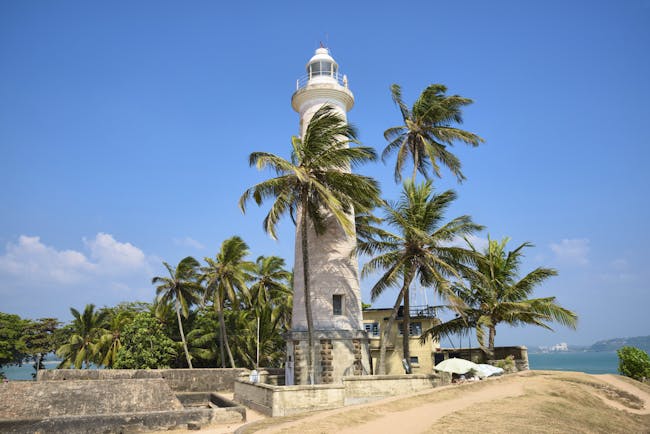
(226, 277)
(427, 132)
(180, 289)
(497, 295)
(269, 306)
(419, 248)
(269, 281)
(316, 185)
(87, 327)
(110, 340)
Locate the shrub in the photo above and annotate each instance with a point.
(145, 346)
(634, 363)
(507, 364)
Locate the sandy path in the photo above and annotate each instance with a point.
(418, 419)
(629, 388)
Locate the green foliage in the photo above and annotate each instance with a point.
(634, 363)
(40, 338)
(492, 293)
(81, 349)
(507, 364)
(11, 347)
(144, 345)
(428, 132)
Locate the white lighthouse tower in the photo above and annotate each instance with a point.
(340, 341)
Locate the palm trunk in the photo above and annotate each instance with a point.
(224, 341)
(406, 322)
(180, 329)
(492, 333)
(386, 332)
(305, 273)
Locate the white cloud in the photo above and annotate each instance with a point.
(48, 279)
(478, 242)
(188, 242)
(571, 251)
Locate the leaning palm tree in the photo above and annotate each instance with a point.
(497, 295)
(180, 289)
(226, 277)
(317, 187)
(419, 248)
(427, 132)
(82, 347)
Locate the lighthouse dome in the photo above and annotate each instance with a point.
(322, 64)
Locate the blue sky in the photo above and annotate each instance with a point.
(125, 129)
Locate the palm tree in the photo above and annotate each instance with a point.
(226, 276)
(420, 248)
(427, 132)
(269, 306)
(180, 289)
(82, 347)
(110, 340)
(497, 295)
(316, 186)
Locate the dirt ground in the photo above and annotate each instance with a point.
(533, 401)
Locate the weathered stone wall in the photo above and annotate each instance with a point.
(288, 400)
(181, 380)
(109, 405)
(283, 401)
(28, 399)
(376, 386)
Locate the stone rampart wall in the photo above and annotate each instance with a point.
(362, 388)
(179, 380)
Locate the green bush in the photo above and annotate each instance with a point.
(507, 364)
(145, 345)
(634, 363)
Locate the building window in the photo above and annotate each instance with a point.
(372, 328)
(414, 361)
(337, 304)
(415, 329)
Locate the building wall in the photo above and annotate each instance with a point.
(394, 353)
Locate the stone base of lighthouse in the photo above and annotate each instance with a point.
(338, 354)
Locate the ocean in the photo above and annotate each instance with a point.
(605, 362)
(24, 372)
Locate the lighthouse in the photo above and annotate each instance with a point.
(341, 344)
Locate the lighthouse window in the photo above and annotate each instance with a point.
(322, 68)
(337, 304)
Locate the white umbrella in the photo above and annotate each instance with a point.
(457, 366)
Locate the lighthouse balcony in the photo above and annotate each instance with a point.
(335, 79)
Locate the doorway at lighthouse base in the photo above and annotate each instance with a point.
(338, 354)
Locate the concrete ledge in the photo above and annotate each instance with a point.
(287, 400)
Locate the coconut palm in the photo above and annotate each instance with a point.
(225, 277)
(427, 132)
(181, 290)
(270, 281)
(110, 340)
(419, 248)
(497, 295)
(82, 346)
(316, 186)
